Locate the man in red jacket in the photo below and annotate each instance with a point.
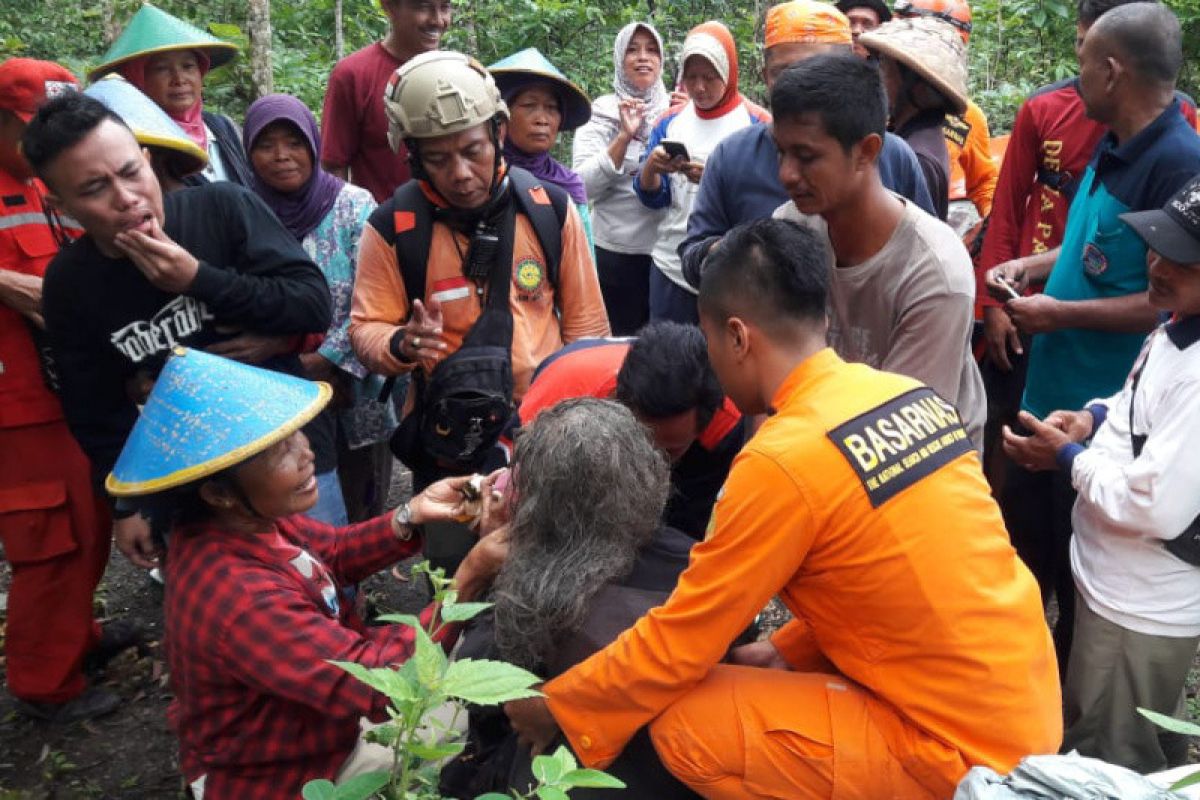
(54, 527)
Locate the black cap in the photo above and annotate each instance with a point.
(1173, 230)
(878, 6)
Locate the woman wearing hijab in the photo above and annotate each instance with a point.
(541, 102)
(327, 216)
(607, 151)
(669, 180)
(167, 59)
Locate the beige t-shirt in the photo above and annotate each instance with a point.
(910, 309)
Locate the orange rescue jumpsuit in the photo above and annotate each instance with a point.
(919, 647)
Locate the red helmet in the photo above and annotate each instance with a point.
(956, 12)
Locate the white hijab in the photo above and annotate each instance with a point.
(655, 96)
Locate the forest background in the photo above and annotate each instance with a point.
(1016, 46)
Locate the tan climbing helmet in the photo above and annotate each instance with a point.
(438, 93)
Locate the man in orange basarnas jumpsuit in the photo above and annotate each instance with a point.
(918, 647)
(54, 527)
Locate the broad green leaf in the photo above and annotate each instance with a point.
(590, 779)
(382, 679)
(566, 758)
(551, 793)
(1186, 781)
(494, 796)
(461, 612)
(488, 683)
(547, 769)
(433, 752)
(411, 620)
(430, 661)
(362, 787)
(1170, 723)
(319, 790)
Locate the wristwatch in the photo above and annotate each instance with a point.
(402, 524)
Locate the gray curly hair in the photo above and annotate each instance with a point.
(590, 490)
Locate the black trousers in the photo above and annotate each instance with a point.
(1037, 512)
(625, 285)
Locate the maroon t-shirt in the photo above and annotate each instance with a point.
(354, 125)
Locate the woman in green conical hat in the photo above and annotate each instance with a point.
(541, 103)
(167, 59)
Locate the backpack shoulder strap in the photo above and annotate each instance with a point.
(546, 206)
(412, 227)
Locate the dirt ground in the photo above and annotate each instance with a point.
(131, 754)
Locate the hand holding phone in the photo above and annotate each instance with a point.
(675, 149)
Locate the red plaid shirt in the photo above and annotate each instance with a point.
(257, 708)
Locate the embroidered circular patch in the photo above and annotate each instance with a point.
(1094, 261)
(530, 275)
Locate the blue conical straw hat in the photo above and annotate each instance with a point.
(207, 413)
(528, 67)
(150, 124)
(152, 30)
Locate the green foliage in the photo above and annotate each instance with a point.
(427, 681)
(1175, 726)
(1016, 46)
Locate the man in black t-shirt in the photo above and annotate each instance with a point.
(209, 267)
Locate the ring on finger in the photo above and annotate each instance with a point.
(416, 342)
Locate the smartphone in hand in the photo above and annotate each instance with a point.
(675, 149)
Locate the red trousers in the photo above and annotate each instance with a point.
(56, 532)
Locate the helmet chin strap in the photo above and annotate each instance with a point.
(464, 220)
(417, 167)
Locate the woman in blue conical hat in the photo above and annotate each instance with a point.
(252, 610)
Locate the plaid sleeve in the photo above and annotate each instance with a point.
(355, 552)
(280, 643)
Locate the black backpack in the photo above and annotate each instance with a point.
(462, 407)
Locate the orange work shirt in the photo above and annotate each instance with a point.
(973, 171)
(861, 503)
(545, 317)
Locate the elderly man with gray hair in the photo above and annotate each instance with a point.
(588, 556)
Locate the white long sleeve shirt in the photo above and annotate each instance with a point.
(620, 222)
(1127, 507)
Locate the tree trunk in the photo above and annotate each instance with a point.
(259, 26)
(339, 42)
(112, 27)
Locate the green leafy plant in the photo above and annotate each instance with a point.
(1175, 726)
(428, 680)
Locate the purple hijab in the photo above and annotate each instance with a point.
(300, 211)
(545, 168)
